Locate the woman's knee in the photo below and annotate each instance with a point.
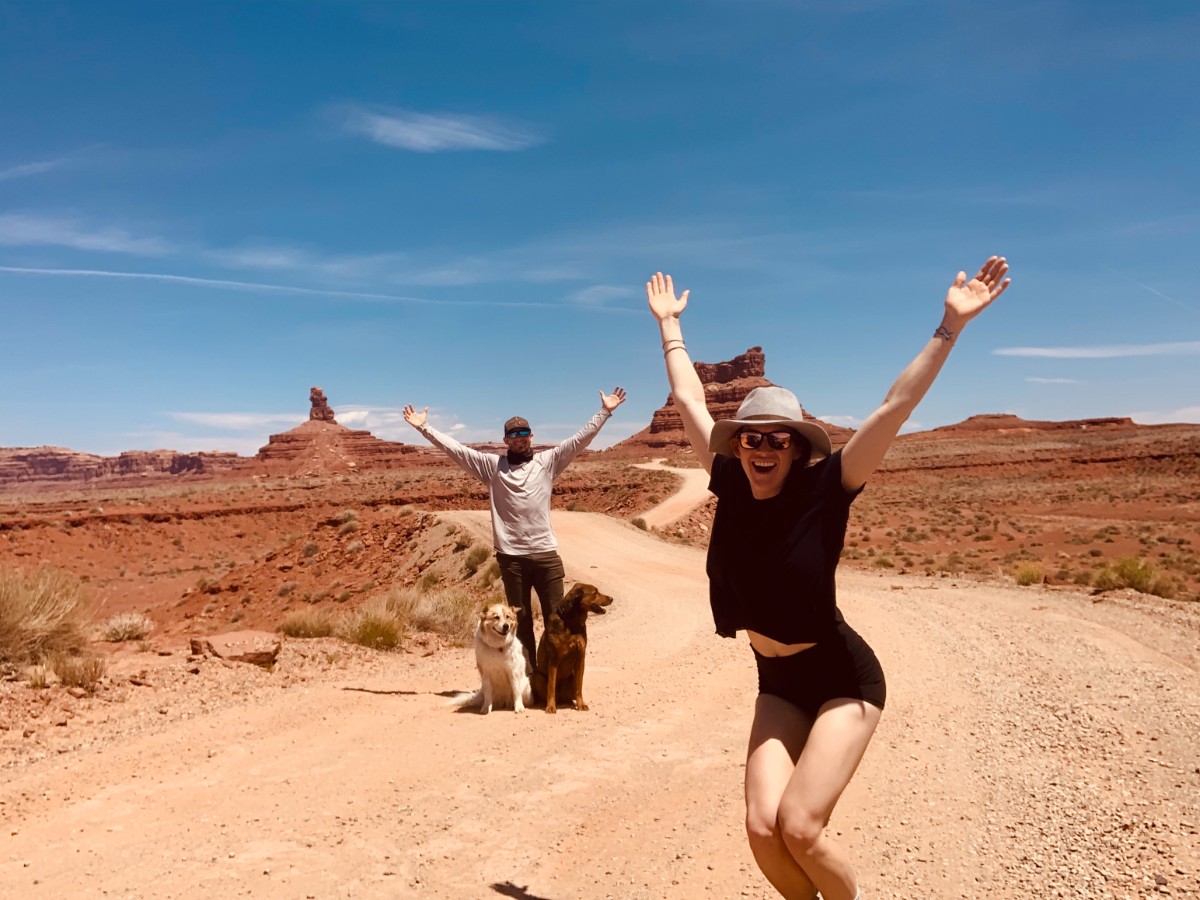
(800, 829)
(762, 826)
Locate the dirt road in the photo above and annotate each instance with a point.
(1036, 744)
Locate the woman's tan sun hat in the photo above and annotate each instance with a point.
(770, 406)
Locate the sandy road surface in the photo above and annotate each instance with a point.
(692, 491)
(1036, 744)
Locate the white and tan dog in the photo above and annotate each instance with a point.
(503, 669)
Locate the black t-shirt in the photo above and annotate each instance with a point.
(771, 563)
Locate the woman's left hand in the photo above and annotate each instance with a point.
(967, 299)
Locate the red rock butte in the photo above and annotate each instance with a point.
(321, 446)
(726, 385)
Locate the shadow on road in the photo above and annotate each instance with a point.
(508, 889)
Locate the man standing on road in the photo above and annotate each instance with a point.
(519, 486)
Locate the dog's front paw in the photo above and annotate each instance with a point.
(581, 706)
(519, 707)
(485, 709)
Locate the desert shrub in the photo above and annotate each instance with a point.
(462, 542)
(129, 626)
(1029, 573)
(372, 625)
(310, 549)
(347, 515)
(405, 510)
(40, 613)
(38, 677)
(883, 561)
(475, 559)
(491, 573)
(81, 671)
(954, 564)
(450, 613)
(355, 547)
(1083, 577)
(429, 581)
(1139, 574)
(307, 623)
(638, 522)
(348, 527)
(286, 588)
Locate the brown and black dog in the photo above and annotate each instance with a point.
(558, 673)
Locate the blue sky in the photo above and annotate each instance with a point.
(207, 208)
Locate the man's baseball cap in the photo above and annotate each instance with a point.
(514, 423)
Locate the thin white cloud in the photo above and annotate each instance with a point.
(599, 295)
(1186, 414)
(21, 230)
(842, 421)
(1037, 379)
(261, 287)
(27, 169)
(1114, 351)
(187, 443)
(1153, 290)
(238, 421)
(219, 283)
(434, 133)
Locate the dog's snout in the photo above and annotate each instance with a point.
(504, 628)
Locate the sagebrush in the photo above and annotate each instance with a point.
(41, 613)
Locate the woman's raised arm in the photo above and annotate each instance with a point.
(686, 388)
(964, 301)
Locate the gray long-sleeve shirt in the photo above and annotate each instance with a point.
(520, 494)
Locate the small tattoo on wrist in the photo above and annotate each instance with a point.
(944, 333)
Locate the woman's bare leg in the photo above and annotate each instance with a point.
(834, 747)
(776, 739)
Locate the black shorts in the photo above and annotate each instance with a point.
(843, 665)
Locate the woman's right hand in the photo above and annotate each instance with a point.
(660, 294)
(414, 418)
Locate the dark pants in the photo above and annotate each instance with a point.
(542, 572)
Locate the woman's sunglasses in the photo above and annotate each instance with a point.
(776, 440)
(520, 432)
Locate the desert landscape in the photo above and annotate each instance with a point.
(1031, 588)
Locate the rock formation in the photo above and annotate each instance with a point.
(59, 465)
(321, 446)
(321, 411)
(726, 385)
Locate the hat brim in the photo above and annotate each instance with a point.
(724, 430)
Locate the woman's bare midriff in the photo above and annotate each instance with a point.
(770, 647)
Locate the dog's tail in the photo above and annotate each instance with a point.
(465, 699)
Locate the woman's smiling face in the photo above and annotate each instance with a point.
(765, 466)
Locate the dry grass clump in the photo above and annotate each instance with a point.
(307, 623)
(1139, 574)
(475, 558)
(40, 613)
(373, 625)
(129, 626)
(452, 614)
(78, 671)
(1029, 573)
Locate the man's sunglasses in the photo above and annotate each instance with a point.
(776, 440)
(518, 432)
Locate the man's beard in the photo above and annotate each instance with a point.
(516, 458)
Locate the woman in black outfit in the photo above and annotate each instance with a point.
(783, 501)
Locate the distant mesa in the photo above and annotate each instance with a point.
(726, 385)
(55, 465)
(321, 446)
(1002, 422)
